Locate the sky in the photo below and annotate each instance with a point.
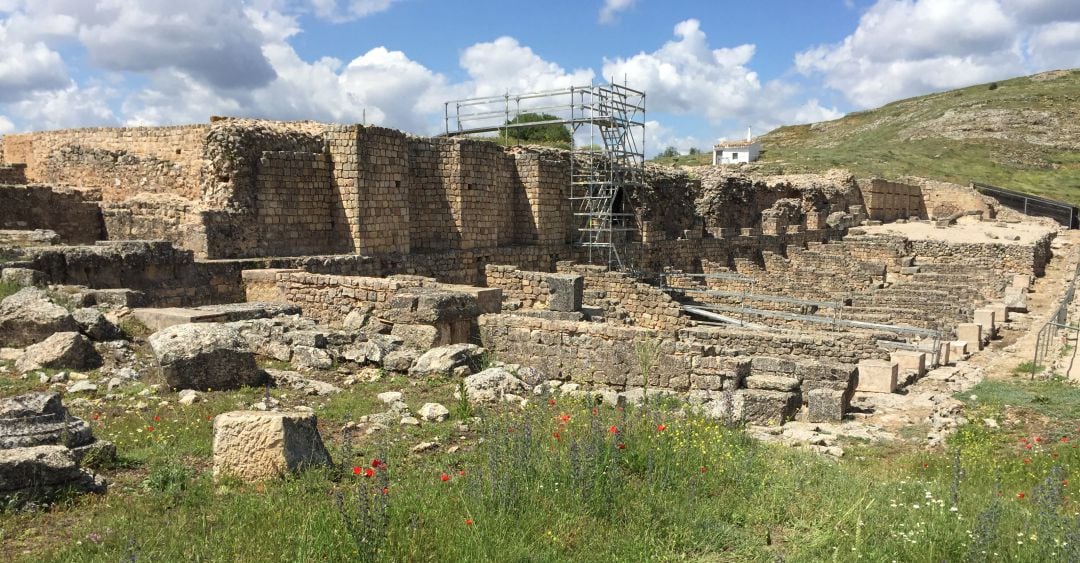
(710, 68)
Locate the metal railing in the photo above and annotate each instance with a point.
(1057, 323)
(1028, 204)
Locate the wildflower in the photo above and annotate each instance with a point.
(594, 412)
(96, 416)
(209, 417)
(622, 446)
(385, 490)
(1038, 440)
(925, 465)
(157, 418)
(468, 521)
(1064, 439)
(614, 429)
(356, 470)
(444, 477)
(1027, 460)
(555, 435)
(1027, 447)
(661, 428)
(378, 463)
(1020, 496)
(461, 473)
(369, 472)
(703, 469)
(564, 418)
(149, 428)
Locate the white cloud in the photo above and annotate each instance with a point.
(28, 68)
(61, 109)
(6, 126)
(339, 11)
(612, 8)
(504, 64)
(904, 48)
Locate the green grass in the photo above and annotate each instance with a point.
(8, 288)
(551, 483)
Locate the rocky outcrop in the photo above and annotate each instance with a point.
(493, 385)
(205, 356)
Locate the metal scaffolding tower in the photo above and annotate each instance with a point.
(607, 124)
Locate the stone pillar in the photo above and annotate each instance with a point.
(970, 333)
(877, 376)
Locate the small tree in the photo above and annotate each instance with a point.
(670, 152)
(694, 151)
(549, 133)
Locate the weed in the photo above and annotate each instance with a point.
(8, 289)
(133, 329)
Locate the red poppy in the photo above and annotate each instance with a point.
(377, 463)
(614, 429)
(661, 428)
(551, 402)
(1020, 495)
(356, 470)
(209, 417)
(925, 465)
(96, 416)
(444, 477)
(703, 469)
(622, 446)
(565, 418)
(468, 521)
(157, 418)
(385, 490)
(1027, 460)
(594, 411)
(1038, 440)
(369, 472)
(149, 428)
(1064, 439)
(555, 435)
(461, 473)
(1027, 447)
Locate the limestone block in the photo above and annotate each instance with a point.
(445, 359)
(826, 405)
(69, 350)
(1001, 313)
(420, 337)
(972, 333)
(985, 318)
(958, 349)
(772, 382)
(42, 471)
(205, 356)
(23, 277)
(769, 408)
(910, 361)
(877, 376)
(566, 292)
(256, 445)
(28, 317)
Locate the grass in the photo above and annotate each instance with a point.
(564, 480)
(8, 289)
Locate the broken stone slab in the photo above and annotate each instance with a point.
(188, 397)
(255, 445)
(769, 408)
(250, 310)
(160, 319)
(373, 350)
(41, 472)
(36, 419)
(63, 350)
(399, 361)
(1016, 299)
(93, 324)
(566, 292)
(205, 356)
(28, 317)
(444, 360)
(311, 358)
(490, 385)
(297, 382)
(430, 306)
(826, 405)
(877, 376)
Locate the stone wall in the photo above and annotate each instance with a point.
(165, 217)
(998, 257)
(840, 347)
(529, 289)
(888, 201)
(622, 297)
(73, 214)
(122, 161)
(297, 210)
(14, 174)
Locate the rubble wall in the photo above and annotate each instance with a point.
(12, 174)
(122, 161)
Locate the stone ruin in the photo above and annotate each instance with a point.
(334, 247)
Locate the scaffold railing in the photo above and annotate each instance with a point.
(607, 132)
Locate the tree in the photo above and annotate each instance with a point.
(550, 133)
(693, 151)
(670, 152)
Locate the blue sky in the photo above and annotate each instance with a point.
(710, 68)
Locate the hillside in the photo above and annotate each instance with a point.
(1022, 134)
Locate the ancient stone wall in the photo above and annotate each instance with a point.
(998, 257)
(296, 206)
(155, 217)
(529, 289)
(328, 299)
(14, 174)
(73, 214)
(122, 161)
(624, 298)
(942, 199)
(839, 347)
(888, 201)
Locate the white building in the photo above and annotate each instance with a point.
(736, 152)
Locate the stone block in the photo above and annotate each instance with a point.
(985, 318)
(566, 292)
(772, 382)
(160, 319)
(972, 333)
(877, 376)
(910, 361)
(769, 408)
(1001, 313)
(1022, 281)
(255, 445)
(958, 349)
(421, 337)
(826, 405)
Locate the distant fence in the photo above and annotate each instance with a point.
(1049, 339)
(1067, 215)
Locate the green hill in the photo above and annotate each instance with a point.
(1022, 134)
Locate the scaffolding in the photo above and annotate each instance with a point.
(607, 152)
